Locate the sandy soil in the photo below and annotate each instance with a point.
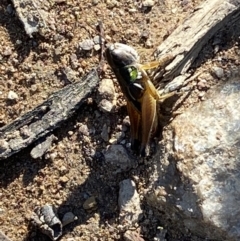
(74, 168)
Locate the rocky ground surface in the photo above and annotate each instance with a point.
(87, 172)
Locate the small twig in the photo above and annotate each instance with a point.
(102, 41)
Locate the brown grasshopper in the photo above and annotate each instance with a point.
(142, 97)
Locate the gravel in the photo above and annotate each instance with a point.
(80, 172)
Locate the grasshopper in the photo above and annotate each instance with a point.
(142, 97)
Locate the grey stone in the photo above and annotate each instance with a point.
(90, 203)
(87, 44)
(7, 51)
(106, 105)
(9, 9)
(219, 72)
(118, 157)
(107, 95)
(196, 179)
(129, 203)
(41, 148)
(68, 217)
(83, 129)
(33, 15)
(97, 39)
(45, 218)
(104, 133)
(106, 89)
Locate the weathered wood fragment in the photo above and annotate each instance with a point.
(40, 149)
(188, 39)
(46, 117)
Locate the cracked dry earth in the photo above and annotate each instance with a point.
(73, 171)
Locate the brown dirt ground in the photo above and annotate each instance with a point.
(32, 68)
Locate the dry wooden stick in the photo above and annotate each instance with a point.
(188, 39)
(46, 117)
(102, 42)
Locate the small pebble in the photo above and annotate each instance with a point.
(97, 39)
(95, 2)
(9, 9)
(106, 105)
(97, 47)
(34, 88)
(18, 41)
(68, 217)
(219, 72)
(113, 140)
(84, 130)
(111, 3)
(90, 203)
(63, 179)
(149, 43)
(87, 44)
(148, 3)
(118, 157)
(104, 133)
(7, 51)
(70, 133)
(12, 95)
(106, 89)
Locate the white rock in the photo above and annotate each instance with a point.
(148, 3)
(106, 105)
(86, 44)
(107, 95)
(106, 89)
(129, 203)
(219, 72)
(197, 176)
(118, 157)
(97, 47)
(12, 95)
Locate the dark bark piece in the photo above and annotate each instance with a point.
(188, 39)
(46, 117)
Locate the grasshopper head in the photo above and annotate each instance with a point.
(124, 62)
(120, 55)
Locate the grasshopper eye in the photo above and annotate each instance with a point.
(133, 73)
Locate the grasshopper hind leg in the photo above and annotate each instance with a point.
(134, 117)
